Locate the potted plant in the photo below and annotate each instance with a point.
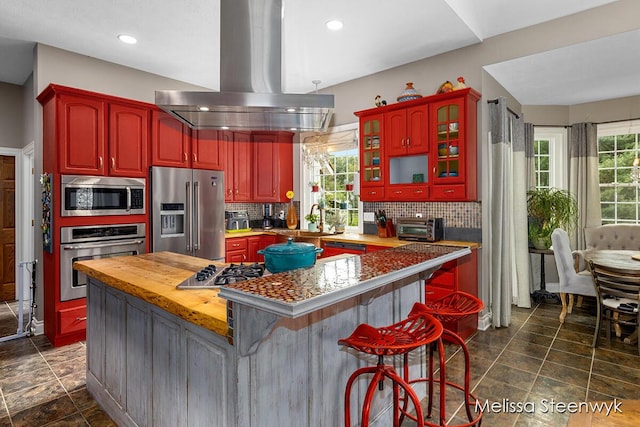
(336, 220)
(548, 209)
(315, 187)
(312, 218)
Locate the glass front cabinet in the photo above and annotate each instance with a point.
(420, 150)
(372, 161)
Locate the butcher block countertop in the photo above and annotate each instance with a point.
(364, 239)
(153, 278)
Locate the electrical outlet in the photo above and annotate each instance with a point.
(418, 215)
(369, 217)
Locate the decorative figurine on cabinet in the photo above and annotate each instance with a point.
(460, 84)
(445, 87)
(379, 101)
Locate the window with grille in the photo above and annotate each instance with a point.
(618, 147)
(549, 155)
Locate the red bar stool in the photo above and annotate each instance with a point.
(399, 338)
(454, 306)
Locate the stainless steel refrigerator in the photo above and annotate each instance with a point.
(187, 208)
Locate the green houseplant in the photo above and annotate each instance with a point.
(312, 218)
(548, 209)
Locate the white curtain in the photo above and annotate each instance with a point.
(509, 255)
(584, 180)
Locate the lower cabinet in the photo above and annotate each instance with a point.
(458, 275)
(241, 249)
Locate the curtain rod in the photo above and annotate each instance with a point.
(495, 101)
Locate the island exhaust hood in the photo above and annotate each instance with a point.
(250, 94)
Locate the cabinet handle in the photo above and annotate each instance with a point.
(236, 191)
(408, 142)
(448, 191)
(80, 319)
(113, 163)
(195, 157)
(274, 192)
(397, 192)
(235, 245)
(184, 156)
(99, 162)
(418, 191)
(434, 170)
(402, 142)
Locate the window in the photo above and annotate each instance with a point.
(618, 146)
(332, 162)
(549, 155)
(340, 205)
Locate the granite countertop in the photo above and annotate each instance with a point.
(302, 291)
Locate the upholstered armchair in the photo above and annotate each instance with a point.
(571, 282)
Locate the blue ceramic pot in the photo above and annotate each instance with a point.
(289, 256)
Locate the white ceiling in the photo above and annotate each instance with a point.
(179, 40)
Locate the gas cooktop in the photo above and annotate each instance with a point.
(212, 277)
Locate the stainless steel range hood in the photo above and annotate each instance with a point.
(250, 94)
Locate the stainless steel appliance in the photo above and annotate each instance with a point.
(420, 229)
(188, 212)
(237, 221)
(93, 242)
(101, 195)
(213, 277)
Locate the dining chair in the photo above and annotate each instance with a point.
(571, 282)
(618, 297)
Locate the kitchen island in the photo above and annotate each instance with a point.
(265, 354)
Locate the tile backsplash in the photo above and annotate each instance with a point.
(455, 214)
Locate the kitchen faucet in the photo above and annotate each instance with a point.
(320, 224)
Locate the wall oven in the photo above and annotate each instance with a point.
(102, 195)
(93, 242)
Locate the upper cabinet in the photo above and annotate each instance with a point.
(92, 134)
(420, 150)
(170, 141)
(208, 149)
(128, 140)
(454, 147)
(237, 170)
(273, 166)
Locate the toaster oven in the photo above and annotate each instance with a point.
(420, 229)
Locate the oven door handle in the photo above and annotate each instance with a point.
(128, 199)
(102, 245)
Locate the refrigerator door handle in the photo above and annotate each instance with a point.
(187, 216)
(196, 215)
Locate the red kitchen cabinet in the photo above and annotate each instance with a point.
(454, 146)
(372, 161)
(128, 140)
(236, 249)
(375, 248)
(456, 275)
(81, 134)
(170, 141)
(406, 131)
(253, 246)
(273, 166)
(238, 168)
(208, 150)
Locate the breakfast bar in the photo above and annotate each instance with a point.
(258, 352)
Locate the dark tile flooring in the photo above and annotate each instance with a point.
(531, 362)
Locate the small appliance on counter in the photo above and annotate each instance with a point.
(420, 229)
(267, 222)
(236, 221)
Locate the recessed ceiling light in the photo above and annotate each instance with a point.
(224, 127)
(125, 38)
(334, 25)
(203, 108)
(291, 110)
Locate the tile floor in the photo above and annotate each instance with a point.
(531, 360)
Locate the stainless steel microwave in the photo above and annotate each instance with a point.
(101, 195)
(420, 229)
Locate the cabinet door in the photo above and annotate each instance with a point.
(128, 140)
(208, 149)
(253, 246)
(170, 141)
(81, 135)
(273, 166)
(241, 167)
(449, 166)
(395, 133)
(371, 158)
(417, 130)
(236, 249)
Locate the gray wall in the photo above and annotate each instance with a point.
(11, 116)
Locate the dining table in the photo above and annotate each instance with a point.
(621, 261)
